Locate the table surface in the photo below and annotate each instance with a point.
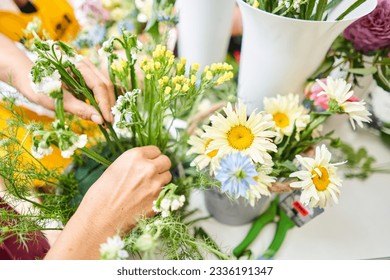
(358, 227)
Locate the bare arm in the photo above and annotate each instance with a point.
(124, 192)
(15, 69)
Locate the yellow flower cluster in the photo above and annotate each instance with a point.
(118, 65)
(218, 72)
(162, 58)
(177, 84)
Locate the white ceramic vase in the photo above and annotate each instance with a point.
(204, 30)
(278, 53)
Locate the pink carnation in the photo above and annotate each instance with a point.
(371, 32)
(313, 90)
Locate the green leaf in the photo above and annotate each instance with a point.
(309, 9)
(324, 68)
(363, 71)
(320, 9)
(350, 9)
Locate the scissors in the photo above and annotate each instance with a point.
(286, 213)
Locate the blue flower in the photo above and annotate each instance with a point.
(236, 174)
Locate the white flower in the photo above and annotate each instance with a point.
(40, 152)
(34, 26)
(123, 115)
(145, 10)
(261, 188)
(165, 204)
(113, 249)
(319, 182)
(145, 242)
(199, 146)
(339, 91)
(49, 84)
(80, 143)
(105, 49)
(286, 112)
(238, 133)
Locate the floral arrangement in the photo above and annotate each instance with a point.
(362, 51)
(303, 9)
(247, 155)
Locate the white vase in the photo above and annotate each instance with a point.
(278, 53)
(204, 30)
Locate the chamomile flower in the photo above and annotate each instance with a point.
(286, 112)
(238, 133)
(339, 92)
(263, 181)
(113, 249)
(319, 181)
(199, 146)
(236, 174)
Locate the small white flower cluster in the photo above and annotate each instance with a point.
(105, 50)
(48, 85)
(296, 4)
(113, 249)
(67, 141)
(168, 204)
(122, 113)
(78, 144)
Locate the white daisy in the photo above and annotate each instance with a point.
(238, 133)
(263, 181)
(286, 111)
(199, 146)
(319, 182)
(339, 91)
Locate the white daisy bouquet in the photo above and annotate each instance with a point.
(251, 154)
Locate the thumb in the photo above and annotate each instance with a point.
(81, 109)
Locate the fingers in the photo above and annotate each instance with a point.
(165, 177)
(163, 163)
(101, 88)
(105, 79)
(150, 152)
(81, 109)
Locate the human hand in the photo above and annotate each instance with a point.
(128, 188)
(101, 87)
(15, 69)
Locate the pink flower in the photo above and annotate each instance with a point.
(313, 90)
(371, 32)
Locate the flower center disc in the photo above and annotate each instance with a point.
(321, 182)
(281, 120)
(213, 153)
(240, 137)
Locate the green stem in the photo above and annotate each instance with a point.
(95, 156)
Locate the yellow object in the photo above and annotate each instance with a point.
(57, 17)
(54, 161)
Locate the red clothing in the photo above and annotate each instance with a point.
(11, 249)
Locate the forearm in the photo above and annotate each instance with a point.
(82, 235)
(15, 66)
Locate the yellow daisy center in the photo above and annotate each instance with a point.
(240, 137)
(213, 153)
(320, 179)
(281, 119)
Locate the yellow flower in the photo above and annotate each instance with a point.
(255, 4)
(177, 87)
(119, 65)
(179, 67)
(193, 79)
(167, 90)
(209, 75)
(195, 67)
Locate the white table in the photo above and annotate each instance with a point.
(357, 228)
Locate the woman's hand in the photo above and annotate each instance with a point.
(15, 70)
(112, 205)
